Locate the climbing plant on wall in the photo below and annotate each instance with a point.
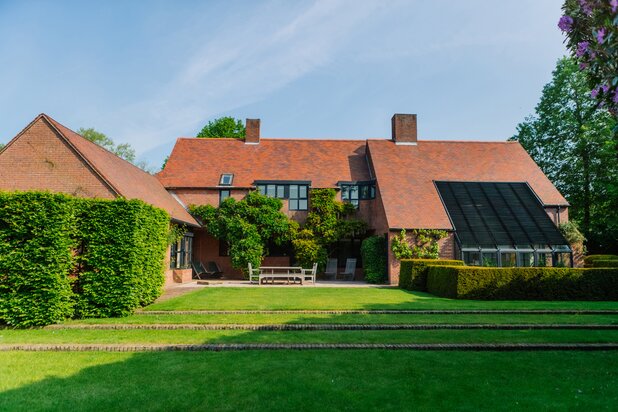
(423, 244)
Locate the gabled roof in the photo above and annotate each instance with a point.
(199, 163)
(122, 177)
(406, 176)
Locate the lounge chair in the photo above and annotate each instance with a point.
(214, 269)
(253, 274)
(350, 269)
(309, 274)
(199, 270)
(331, 269)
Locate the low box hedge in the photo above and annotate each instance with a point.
(601, 261)
(413, 272)
(523, 283)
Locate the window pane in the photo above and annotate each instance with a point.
(527, 259)
(509, 259)
(281, 192)
(373, 192)
(354, 202)
(364, 192)
(270, 190)
(261, 189)
(472, 258)
(223, 194)
(490, 259)
(293, 191)
(302, 204)
(302, 192)
(345, 193)
(293, 204)
(353, 192)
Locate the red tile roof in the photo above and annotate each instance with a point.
(124, 178)
(199, 163)
(405, 176)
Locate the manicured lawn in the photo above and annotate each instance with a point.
(352, 319)
(40, 336)
(309, 381)
(264, 298)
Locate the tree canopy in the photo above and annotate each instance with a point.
(571, 139)
(591, 27)
(123, 150)
(223, 127)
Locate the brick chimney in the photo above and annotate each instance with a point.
(252, 135)
(404, 129)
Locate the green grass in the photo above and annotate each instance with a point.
(264, 298)
(309, 381)
(351, 319)
(243, 336)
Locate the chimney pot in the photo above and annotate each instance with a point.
(252, 131)
(404, 129)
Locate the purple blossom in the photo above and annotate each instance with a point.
(583, 66)
(594, 93)
(566, 23)
(605, 88)
(600, 35)
(614, 5)
(586, 7)
(582, 48)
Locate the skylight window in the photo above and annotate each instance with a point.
(226, 179)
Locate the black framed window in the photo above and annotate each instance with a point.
(299, 197)
(223, 194)
(298, 194)
(353, 192)
(181, 252)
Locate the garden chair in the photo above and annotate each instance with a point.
(199, 270)
(350, 269)
(309, 274)
(214, 270)
(331, 269)
(253, 274)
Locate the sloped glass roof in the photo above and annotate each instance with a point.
(498, 215)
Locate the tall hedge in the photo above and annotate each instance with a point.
(537, 283)
(62, 257)
(36, 243)
(122, 257)
(413, 272)
(374, 254)
(601, 261)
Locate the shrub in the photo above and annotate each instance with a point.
(523, 283)
(597, 261)
(36, 240)
(413, 272)
(373, 252)
(122, 264)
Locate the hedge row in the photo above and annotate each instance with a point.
(523, 283)
(374, 252)
(601, 261)
(413, 272)
(64, 257)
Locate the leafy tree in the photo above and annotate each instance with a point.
(223, 127)
(123, 150)
(1, 146)
(247, 226)
(591, 27)
(570, 138)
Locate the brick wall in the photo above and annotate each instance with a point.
(41, 160)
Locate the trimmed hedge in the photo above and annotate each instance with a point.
(374, 254)
(122, 265)
(36, 240)
(523, 283)
(413, 272)
(62, 257)
(601, 261)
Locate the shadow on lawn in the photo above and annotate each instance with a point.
(306, 380)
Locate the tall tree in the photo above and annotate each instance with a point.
(570, 138)
(123, 150)
(223, 127)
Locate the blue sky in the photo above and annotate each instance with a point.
(148, 72)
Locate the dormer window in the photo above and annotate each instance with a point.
(226, 179)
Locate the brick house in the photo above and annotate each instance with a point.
(495, 203)
(493, 200)
(46, 155)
